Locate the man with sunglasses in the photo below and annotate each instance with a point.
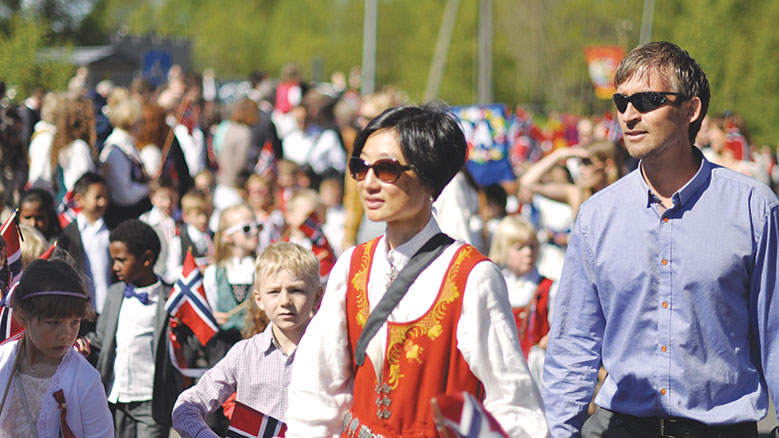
(669, 279)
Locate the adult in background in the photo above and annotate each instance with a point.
(669, 278)
(452, 330)
(72, 152)
(121, 162)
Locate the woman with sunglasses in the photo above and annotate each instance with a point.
(377, 352)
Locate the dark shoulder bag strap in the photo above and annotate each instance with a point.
(397, 290)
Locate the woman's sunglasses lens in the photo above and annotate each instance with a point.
(358, 169)
(387, 171)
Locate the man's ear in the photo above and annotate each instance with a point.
(694, 108)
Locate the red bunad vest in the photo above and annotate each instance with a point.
(533, 320)
(421, 360)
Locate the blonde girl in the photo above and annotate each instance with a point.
(229, 278)
(41, 375)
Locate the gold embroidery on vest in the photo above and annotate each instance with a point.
(360, 283)
(401, 338)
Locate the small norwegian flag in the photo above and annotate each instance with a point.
(10, 232)
(266, 163)
(9, 327)
(613, 131)
(460, 415)
(67, 210)
(737, 143)
(249, 422)
(319, 245)
(188, 303)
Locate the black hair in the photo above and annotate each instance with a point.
(52, 275)
(138, 237)
(430, 138)
(46, 202)
(497, 194)
(82, 184)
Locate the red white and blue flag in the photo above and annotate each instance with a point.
(9, 327)
(460, 415)
(67, 210)
(266, 162)
(188, 303)
(251, 423)
(319, 245)
(13, 251)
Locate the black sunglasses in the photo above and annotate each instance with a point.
(386, 170)
(645, 101)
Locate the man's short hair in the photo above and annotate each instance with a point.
(299, 261)
(675, 67)
(138, 237)
(82, 184)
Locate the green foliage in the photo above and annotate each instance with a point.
(537, 49)
(20, 69)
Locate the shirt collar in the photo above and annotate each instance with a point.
(400, 256)
(689, 190)
(153, 290)
(83, 222)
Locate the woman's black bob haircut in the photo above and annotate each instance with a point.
(430, 138)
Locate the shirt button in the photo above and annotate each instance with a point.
(664, 348)
(665, 219)
(664, 262)
(663, 391)
(665, 304)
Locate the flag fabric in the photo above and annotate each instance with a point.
(9, 327)
(319, 245)
(486, 132)
(177, 358)
(13, 250)
(611, 126)
(188, 303)
(248, 422)
(266, 162)
(460, 415)
(737, 143)
(602, 63)
(67, 210)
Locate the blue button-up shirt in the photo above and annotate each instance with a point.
(677, 305)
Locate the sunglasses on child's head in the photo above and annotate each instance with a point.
(386, 170)
(645, 101)
(247, 228)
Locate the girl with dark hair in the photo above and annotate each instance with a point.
(48, 388)
(411, 314)
(36, 208)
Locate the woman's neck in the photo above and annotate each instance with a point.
(401, 232)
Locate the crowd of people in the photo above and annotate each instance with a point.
(305, 202)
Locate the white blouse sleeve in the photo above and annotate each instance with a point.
(79, 161)
(320, 392)
(487, 339)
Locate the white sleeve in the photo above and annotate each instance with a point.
(320, 392)
(96, 419)
(210, 286)
(173, 264)
(152, 159)
(487, 339)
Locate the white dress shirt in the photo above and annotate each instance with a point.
(94, 239)
(486, 337)
(134, 363)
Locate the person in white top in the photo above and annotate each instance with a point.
(39, 175)
(453, 329)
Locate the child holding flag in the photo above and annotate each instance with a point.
(132, 337)
(287, 289)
